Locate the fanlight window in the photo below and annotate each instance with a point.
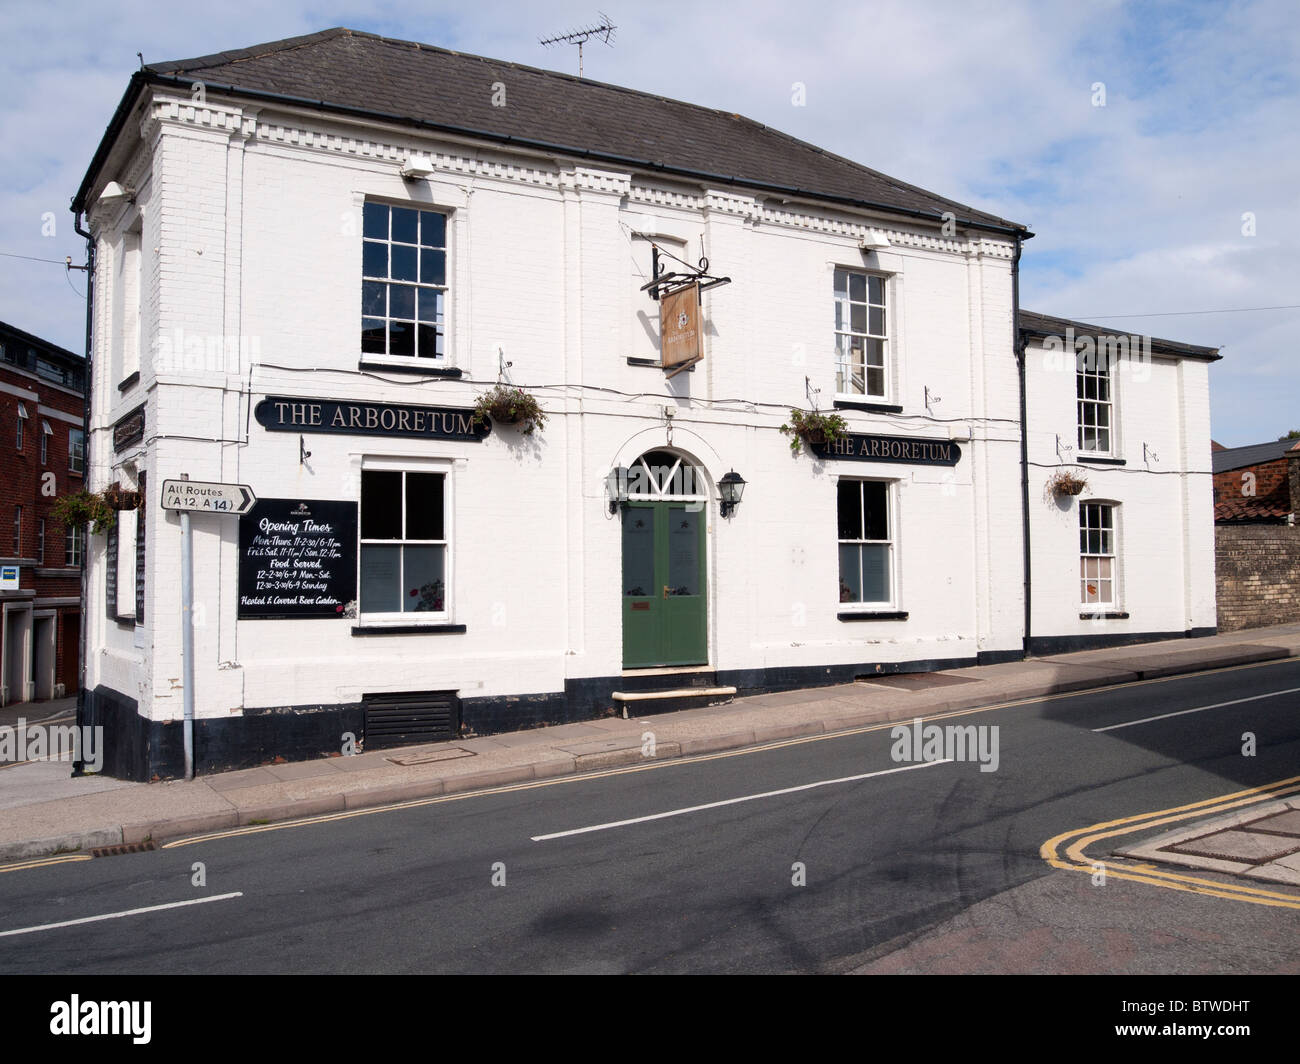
(664, 476)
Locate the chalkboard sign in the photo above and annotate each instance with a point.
(297, 558)
(139, 554)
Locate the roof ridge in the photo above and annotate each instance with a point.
(256, 51)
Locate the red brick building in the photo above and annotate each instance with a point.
(1257, 534)
(42, 456)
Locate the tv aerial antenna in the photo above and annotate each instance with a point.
(602, 31)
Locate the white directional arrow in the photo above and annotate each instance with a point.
(199, 496)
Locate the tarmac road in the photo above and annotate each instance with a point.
(623, 872)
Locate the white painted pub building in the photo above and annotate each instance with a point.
(312, 257)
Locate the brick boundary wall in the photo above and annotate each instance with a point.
(1257, 575)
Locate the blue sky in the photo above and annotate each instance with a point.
(1137, 205)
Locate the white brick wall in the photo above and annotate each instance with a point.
(258, 239)
(1165, 515)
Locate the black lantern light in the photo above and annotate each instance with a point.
(616, 484)
(732, 487)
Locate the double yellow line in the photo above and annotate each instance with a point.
(1076, 842)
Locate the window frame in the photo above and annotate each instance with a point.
(890, 604)
(40, 541)
(445, 324)
(22, 416)
(884, 338)
(74, 546)
(46, 433)
(18, 531)
(1102, 368)
(1109, 528)
(439, 467)
(76, 455)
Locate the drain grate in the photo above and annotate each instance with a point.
(129, 847)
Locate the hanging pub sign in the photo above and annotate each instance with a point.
(285, 413)
(678, 292)
(860, 447)
(679, 327)
(298, 558)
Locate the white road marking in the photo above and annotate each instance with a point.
(1198, 709)
(735, 801)
(116, 916)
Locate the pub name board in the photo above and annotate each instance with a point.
(860, 447)
(283, 413)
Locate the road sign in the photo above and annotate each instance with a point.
(204, 497)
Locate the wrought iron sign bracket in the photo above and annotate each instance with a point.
(664, 284)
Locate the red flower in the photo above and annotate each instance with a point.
(414, 592)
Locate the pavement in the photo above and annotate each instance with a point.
(43, 811)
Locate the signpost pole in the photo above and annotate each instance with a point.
(187, 638)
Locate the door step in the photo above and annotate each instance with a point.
(641, 702)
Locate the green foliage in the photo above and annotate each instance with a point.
(510, 406)
(812, 427)
(1294, 434)
(82, 508)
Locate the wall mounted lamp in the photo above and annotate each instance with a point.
(732, 487)
(616, 484)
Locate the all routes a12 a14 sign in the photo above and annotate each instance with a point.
(205, 497)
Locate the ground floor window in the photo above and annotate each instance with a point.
(1097, 554)
(866, 542)
(403, 542)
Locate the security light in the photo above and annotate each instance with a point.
(115, 193)
(417, 166)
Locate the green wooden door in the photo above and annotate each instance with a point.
(664, 599)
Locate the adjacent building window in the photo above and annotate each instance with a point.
(1093, 383)
(1097, 554)
(40, 542)
(74, 546)
(18, 531)
(861, 335)
(866, 543)
(403, 542)
(46, 433)
(76, 450)
(22, 416)
(403, 282)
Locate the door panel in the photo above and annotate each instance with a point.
(641, 601)
(664, 585)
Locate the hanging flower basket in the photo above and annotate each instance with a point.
(1064, 482)
(80, 508)
(510, 406)
(120, 498)
(813, 428)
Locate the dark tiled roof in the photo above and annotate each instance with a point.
(1039, 325)
(431, 86)
(1253, 454)
(1264, 508)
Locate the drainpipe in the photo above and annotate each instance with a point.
(1018, 346)
(78, 767)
